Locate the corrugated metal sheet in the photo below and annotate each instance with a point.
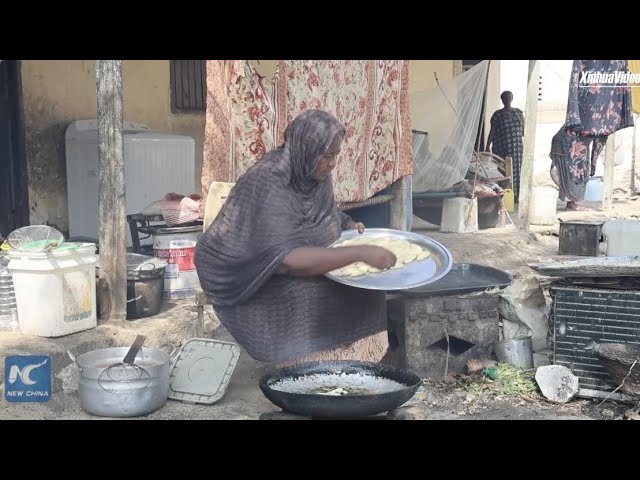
(582, 316)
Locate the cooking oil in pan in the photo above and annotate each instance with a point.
(337, 384)
(341, 391)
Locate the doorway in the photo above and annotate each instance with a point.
(14, 195)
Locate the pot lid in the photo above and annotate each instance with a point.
(141, 263)
(166, 230)
(202, 370)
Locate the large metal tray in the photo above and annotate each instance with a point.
(462, 279)
(413, 275)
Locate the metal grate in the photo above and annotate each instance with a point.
(582, 316)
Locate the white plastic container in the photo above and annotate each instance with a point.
(56, 291)
(621, 238)
(177, 246)
(459, 215)
(544, 206)
(594, 190)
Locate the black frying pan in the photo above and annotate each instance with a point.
(348, 406)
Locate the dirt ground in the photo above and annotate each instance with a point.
(436, 400)
(507, 248)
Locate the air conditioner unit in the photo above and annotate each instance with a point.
(583, 314)
(154, 164)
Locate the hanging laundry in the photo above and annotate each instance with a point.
(571, 165)
(371, 99)
(247, 115)
(599, 103)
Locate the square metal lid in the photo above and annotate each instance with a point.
(202, 370)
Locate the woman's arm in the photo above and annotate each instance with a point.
(316, 261)
(313, 261)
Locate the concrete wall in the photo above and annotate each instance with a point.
(57, 92)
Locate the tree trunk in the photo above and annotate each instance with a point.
(112, 291)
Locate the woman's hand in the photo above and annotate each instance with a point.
(377, 257)
(316, 261)
(356, 226)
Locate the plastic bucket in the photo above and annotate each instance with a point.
(55, 291)
(177, 246)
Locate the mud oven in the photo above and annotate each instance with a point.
(439, 327)
(429, 335)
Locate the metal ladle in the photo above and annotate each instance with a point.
(126, 372)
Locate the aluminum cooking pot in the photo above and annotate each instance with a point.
(105, 397)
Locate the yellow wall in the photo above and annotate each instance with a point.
(421, 73)
(57, 92)
(421, 83)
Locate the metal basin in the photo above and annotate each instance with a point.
(303, 400)
(109, 398)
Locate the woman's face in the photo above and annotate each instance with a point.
(327, 161)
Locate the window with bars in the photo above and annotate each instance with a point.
(188, 85)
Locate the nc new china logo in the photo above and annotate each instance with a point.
(27, 378)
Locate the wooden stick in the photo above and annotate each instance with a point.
(446, 362)
(111, 204)
(635, 157)
(530, 120)
(619, 386)
(609, 156)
